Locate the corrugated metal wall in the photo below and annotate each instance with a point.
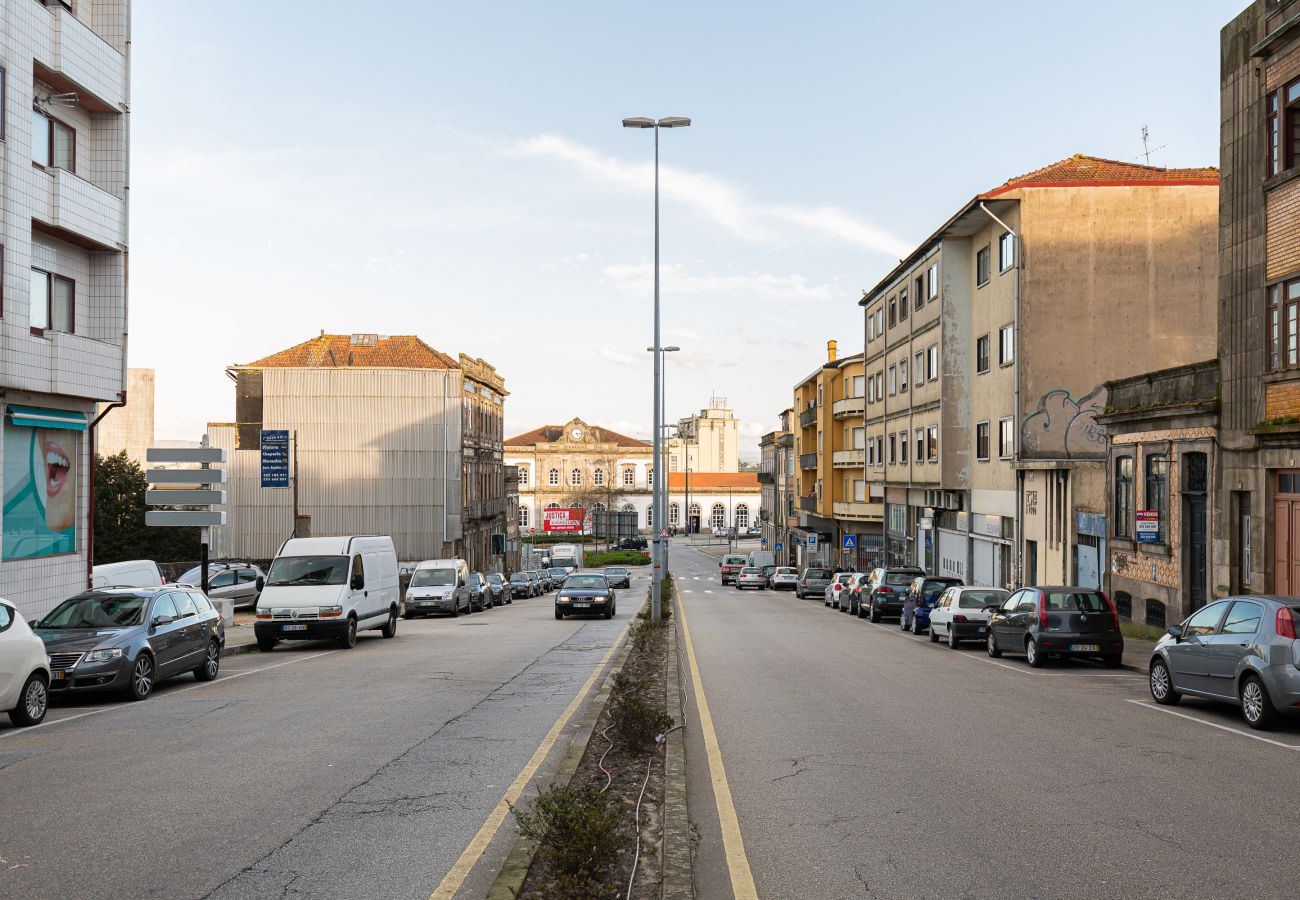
(378, 453)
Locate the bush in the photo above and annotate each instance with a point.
(636, 721)
(616, 558)
(577, 829)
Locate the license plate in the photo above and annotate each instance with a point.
(293, 627)
(582, 605)
(1085, 648)
(979, 630)
(57, 675)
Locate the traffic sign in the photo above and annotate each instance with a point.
(850, 542)
(191, 518)
(778, 545)
(762, 542)
(184, 498)
(186, 476)
(275, 458)
(812, 540)
(185, 455)
(663, 532)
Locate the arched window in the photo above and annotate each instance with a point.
(674, 514)
(597, 507)
(553, 476)
(1155, 613)
(629, 477)
(650, 516)
(742, 515)
(718, 516)
(575, 477)
(523, 516)
(693, 518)
(629, 508)
(523, 476)
(552, 505)
(650, 476)
(598, 477)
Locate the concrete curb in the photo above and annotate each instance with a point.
(677, 875)
(510, 880)
(238, 649)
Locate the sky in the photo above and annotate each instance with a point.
(459, 172)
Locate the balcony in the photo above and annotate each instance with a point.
(849, 459)
(78, 211)
(808, 504)
(808, 417)
(766, 478)
(860, 512)
(849, 406)
(81, 61)
(785, 440)
(808, 461)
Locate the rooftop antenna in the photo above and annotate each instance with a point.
(1146, 145)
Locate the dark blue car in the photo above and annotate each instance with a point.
(922, 596)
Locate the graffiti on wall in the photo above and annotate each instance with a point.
(1064, 426)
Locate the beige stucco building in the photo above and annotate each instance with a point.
(129, 428)
(708, 441)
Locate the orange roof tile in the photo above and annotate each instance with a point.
(704, 480)
(1092, 171)
(549, 434)
(364, 351)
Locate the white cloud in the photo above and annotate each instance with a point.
(717, 199)
(638, 278)
(619, 359)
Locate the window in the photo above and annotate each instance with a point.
(522, 516)
(1206, 621)
(859, 437)
(857, 386)
(629, 477)
(880, 385)
(523, 476)
(918, 369)
(902, 304)
(893, 449)
(742, 516)
(1243, 539)
(1006, 345)
(163, 606)
(919, 437)
(1006, 251)
(1243, 618)
(222, 579)
(1157, 491)
(553, 505)
(880, 450)
(4, 102)
(902, 449)
(902, 375)
(982, 441)
(1283, 129)
(1124, 497)
(880, 321)
(982, 266)
(1006, 438)
(650, 476)
(575, 477)
(893, 311)
(598, 477)
(674, 514)
(53, 302)
(893, 381)
(932, 282)
(871, 390)
(932, 444)
(718, 516)
(918, 291)
(1271, 141)
(650, 516)
(932, 363)
(1283, 325)
(871, 326)
(54, 144)
(982, 354)
(871, 452)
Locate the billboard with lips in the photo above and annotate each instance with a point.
(41, 457)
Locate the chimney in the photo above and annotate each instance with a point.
(830, 351)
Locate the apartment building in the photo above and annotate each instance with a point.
(987, 349)
(63, 247)
(831, 440)
(776, 484)
(708, 441)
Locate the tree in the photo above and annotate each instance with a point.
(609, 494)
(120, 532)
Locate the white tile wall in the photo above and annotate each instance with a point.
(78, 53)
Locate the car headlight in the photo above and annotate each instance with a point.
(330, 611)
(561, 599)
(99, 656)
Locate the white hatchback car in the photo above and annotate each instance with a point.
(838, 584)
(785, 578)
(962, 614)
(24, 670)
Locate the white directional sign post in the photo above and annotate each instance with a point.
(196, 490)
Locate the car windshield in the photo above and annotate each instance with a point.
(300, 570)
(97, 611)
(475, 578)
(433, 578)
(585, 582)
(1076, 601)
(734, 561)
(615, 570)
(981, 599)
(555, 571)
(935, 588)
(495, 578)
(519, 578)
(899, 579)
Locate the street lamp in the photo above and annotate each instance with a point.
(664, 426)
(658, 501)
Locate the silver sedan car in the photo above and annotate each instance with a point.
(1242, 650)
(751, 577)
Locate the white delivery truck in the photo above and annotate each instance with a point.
(760, 558)
(567, 557)
(329, 587)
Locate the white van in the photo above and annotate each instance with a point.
(438, 586)
(329, 587)
(132, 573)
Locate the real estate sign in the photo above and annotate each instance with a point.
(1148, 526)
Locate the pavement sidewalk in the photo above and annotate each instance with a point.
(1137, 653)
(239, 637)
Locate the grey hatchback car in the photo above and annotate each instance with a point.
(1242, 650)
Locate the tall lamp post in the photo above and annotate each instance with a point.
(659, 508)
(667, 444)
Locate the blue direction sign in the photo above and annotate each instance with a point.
(778, 545)
(275, 459)
(762, 542)
(850, 542)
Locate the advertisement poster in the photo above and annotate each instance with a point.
(40, 491)
(563, 520)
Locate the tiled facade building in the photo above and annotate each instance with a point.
(63, 246)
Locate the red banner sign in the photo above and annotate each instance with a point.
(563, 520)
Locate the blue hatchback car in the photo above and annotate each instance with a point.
(922, 596)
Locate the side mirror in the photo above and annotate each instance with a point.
(162, 620)
(1176, 632)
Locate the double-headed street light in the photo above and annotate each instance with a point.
(667, 450)
(658, 496)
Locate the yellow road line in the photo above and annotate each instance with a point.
(478, 846)
(742, 880)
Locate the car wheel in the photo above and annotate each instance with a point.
(349, 639)
(408, 615)
(33, 702)
(902, 623)
(953, 642)
(510, 599)
(211, 663)
(266, 645)
(875, 613)
(609, 613)
(1035, 659)
(390, 627)
(1162, 686)
(140, 685)
(455, 608)
(1256, 707)
(559, 615)
(916, 626)
(934, 637)
(994, 650)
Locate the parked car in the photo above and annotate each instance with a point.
(813, 581)
(887, 591)
(129, 639)
(1241, 650)
(854, 593)
(751, 577)
(536, 578)
(24, 670)
(239, 582)
(500, 590)
(618, 576)
(557, 575)
(521, 585)
(1061, 621)
(836, 588)
(585, 592)
(784, 578)
(547, 580)
(480, 595)
(633, 543)
(962, 613)
(438, 586)
(129, 573)
(922, 594)
(731, 565)
(754, 531)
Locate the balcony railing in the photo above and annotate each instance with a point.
(808, 417)
(859, 511)
(766, 478)
(849, 406)
(849, 459)
(808, 504)
(808, 461)
(785, 440)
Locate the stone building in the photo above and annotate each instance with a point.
(709, 502)
(776, 478)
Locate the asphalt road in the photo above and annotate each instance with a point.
(309, 771)
(865, 762)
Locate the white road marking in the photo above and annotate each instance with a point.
(708, 592)
(1147, 704)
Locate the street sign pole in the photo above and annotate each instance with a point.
(205, 496)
